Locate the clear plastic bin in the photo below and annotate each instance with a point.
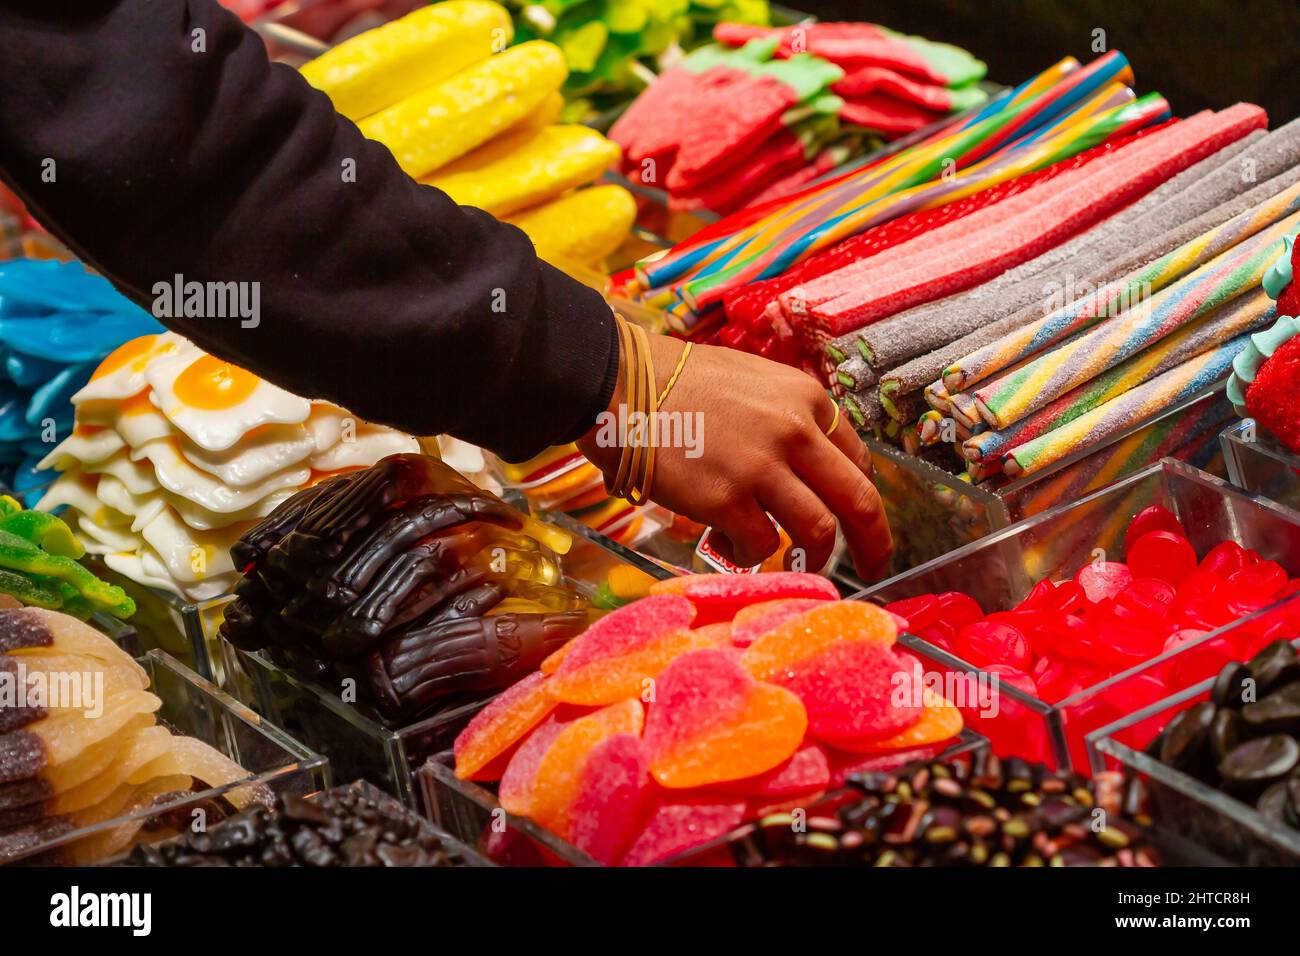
(470, 812)
(192, 706)
(1183, 805)
(999, 570)
(1257, 462)
(933, 512)
(187, 630)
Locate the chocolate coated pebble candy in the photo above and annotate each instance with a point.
(1274, 666)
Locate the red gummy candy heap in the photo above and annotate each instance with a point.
(1067, 636)
(716, 699)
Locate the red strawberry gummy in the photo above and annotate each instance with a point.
(1226, 557)
(711, 722)
(993, 641)
(677, 824)
(919, 612)
(613, 787)
(855, 692)
(1162, 554)
(756, 620)
(1152, 518)
(1103, 579)
(1262, 582)
(958, 610)
(499, 726)
(618, 655)
(717, 597)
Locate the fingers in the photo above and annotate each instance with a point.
(743, 534)
(830, 418)
(845, 489)
(807, 521)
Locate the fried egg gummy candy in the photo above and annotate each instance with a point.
(175, 453)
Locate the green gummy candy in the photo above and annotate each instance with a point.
(43, 530)
(30, 592)
(20, 555)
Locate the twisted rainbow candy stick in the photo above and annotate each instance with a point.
(1021, 114)
(1170, 388)
(881, 205)
(1013, 396)
(1244, 314)
(1115, 297)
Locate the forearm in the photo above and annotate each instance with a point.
(156, 150)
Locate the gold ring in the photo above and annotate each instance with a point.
(835, 422)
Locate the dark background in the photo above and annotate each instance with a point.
(1198, 53)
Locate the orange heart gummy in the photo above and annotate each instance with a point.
(711, 722)
(939, 721)
(515, 791)
(618, 655)
(499, 726)
(801, 637)
(756, 620)
(559, 774)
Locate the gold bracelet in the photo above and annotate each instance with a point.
(672, 380)
(643, 473)
(628, 365)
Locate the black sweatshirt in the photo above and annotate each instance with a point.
(155, 138)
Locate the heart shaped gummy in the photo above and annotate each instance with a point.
(617, 655)
(711, 722)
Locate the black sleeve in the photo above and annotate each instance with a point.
(156, 139)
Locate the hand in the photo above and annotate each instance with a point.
(751, 439)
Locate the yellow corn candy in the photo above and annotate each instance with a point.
(383, 66)
(428, 130)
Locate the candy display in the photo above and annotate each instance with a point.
(1100, 335)
(460, 111)
(726, 126)
(406, 579)
(57, 322)
(38, 567)
(1245, 739)
(676, 718)
(347, 826)
(983, 813)
(1261, 383)
(85, 751)
(175, 454)
(1036, 304)
(1068, 635)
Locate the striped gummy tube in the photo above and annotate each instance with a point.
(1036, 336)
(1147, 400)
(1011, 397)
(1245, 314)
